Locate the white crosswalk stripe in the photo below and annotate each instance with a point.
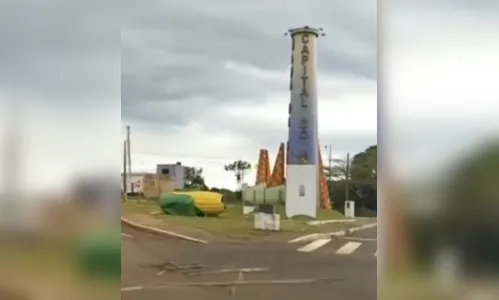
(348, 248)
(314, 245)
(345, 249)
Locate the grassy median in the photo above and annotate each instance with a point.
(232, 223)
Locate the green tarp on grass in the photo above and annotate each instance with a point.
(179, 205)
(100, 254)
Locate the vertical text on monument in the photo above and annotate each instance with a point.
(293, 43)
(304, 55)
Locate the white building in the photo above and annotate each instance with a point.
(176, 171)
(134, 180)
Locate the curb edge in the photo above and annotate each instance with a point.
(161, 232)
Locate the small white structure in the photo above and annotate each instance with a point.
(135, 180)
(176, 171)
(248, 210)
(264, 221)
(349, 209)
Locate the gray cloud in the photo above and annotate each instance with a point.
(173, 54)
(271, 136)
(60, 50)
(482, 6)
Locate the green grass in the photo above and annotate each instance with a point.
(412, 286)
(232, 224)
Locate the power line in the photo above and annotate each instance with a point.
(226, 159)
(214, 158)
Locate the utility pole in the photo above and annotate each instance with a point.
(129, 157)
(347, 178)
(125, 196)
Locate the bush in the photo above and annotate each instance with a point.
(228, 195)
(337, 196)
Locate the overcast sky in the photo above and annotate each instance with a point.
(439, 96)
(207, 85)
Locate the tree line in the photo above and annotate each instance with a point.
(355, 179)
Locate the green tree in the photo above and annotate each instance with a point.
(365, 165)
(363, 174)
(471, 190)
(470, 207)
(339, 170)
(358, 175)
(193, 178)
(239, 168)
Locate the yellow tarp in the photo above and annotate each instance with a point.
(209, 203)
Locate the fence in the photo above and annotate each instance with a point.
(156, 184)
(261, 194)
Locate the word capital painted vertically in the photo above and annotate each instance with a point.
(302, 183)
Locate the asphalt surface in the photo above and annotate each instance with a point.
(370, 233)
(361, 244)
(360, 250)
(150, 261)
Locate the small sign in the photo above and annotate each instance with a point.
(264, 221)
(350, 209)
(302, 190)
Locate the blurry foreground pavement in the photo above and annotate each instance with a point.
(443, 243)
(150, 261)
(60, 251)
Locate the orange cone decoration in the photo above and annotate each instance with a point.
(323, 188)
(263, 169)
(277, 177)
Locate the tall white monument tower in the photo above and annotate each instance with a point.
(302, 172)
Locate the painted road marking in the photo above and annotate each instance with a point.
(125, 235)
(341, 233)
(348, 248)
(359, 239)
(132, 288)
(314, 245)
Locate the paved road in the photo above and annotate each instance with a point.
(361, 244)
(351, 277)
(370, 233)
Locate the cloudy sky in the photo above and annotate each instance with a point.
(207, 85)
(60, 70)
(438, 94)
